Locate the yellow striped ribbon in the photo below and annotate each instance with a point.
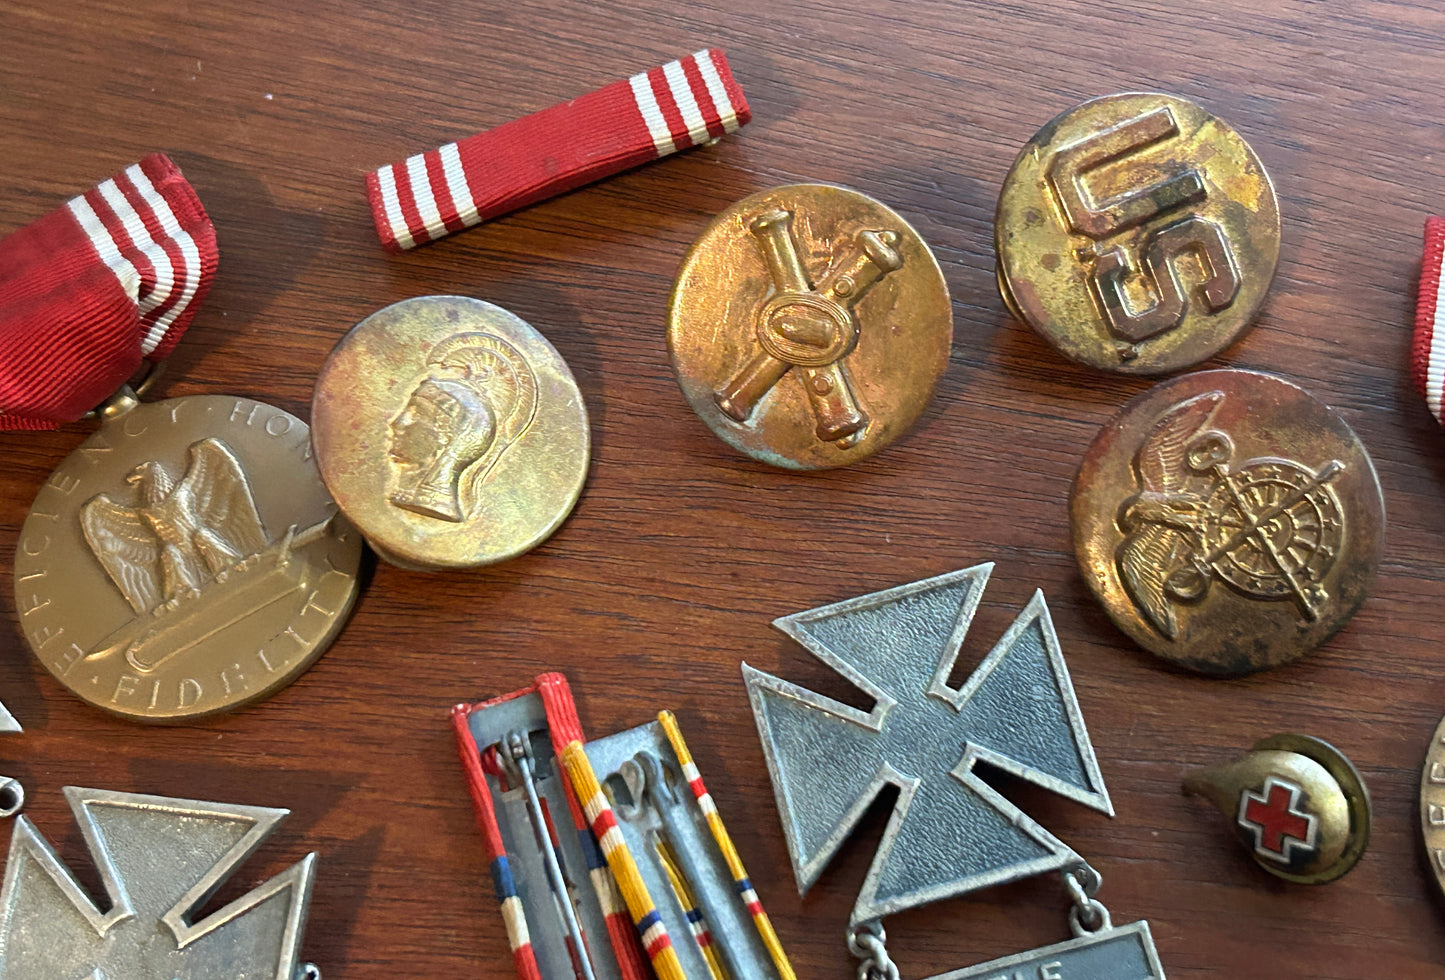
(689, 903)
(729, 853)
(619, 858)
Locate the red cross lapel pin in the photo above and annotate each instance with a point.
(1298, 805)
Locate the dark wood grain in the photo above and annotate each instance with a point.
(681, 552)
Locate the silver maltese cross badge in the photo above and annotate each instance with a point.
(160, 860)
(950, 832)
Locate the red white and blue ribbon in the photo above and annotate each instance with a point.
(1428, 356)
(654, 113)
(97, 286)
(563, 728)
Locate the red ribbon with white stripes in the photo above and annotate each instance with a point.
(1428, 356)
(683, 103)
(96, 287)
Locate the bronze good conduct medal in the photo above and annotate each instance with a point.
(186, 558)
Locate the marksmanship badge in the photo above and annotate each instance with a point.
(950, 832)
(49, 927)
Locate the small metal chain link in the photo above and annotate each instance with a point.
(1088, 915)
(867, 943)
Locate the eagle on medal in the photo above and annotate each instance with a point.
(1176, 471)
(178, 536)
(190, 556)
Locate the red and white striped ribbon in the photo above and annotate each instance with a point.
(1428, 356)
(654, 113)
(96, 286)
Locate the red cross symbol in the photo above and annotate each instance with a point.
(1274, 819)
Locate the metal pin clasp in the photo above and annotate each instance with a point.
(128, 396)
(868, 942)
(12, 796)
(516, 751)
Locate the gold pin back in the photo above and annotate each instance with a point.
(809, 326)
(1137, 233)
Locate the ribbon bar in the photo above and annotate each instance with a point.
(1427, 361)
(654, 113)
(96, 286)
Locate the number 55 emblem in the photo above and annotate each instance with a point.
(1137, 233)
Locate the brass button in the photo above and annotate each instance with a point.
(1137, 233)
(450, 432)
(1228, 521)
(809, 326)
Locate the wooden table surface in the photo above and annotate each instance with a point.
(681, 552)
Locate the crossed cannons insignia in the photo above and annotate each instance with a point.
(1270, 527)
(950, 832)
(812, 328)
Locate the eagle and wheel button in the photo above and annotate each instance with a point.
(1227, 521)
(185, 559)
(1137, 233)
(809, 326)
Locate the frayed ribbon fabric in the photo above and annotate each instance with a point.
(96, 287)
(681, 104)
(1428, 356)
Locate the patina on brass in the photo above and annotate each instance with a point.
(1137, 233)
(1432, 805)
(809, 326)
(450, 432)
(1297, 804)
(185, 559)
(1228, 521)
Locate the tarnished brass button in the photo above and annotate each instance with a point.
(1137, 233)
(809, 326)
(1298, 805)
(450, 432)
(1228, 521)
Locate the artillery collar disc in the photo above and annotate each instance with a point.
(809, 326)
(1137, 233)
(1228, 521)
(450, 432)
(185, 560)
